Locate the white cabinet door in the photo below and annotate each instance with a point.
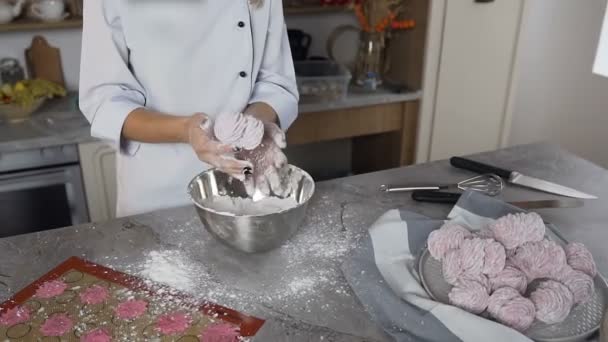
(98, 163)
(475, 73)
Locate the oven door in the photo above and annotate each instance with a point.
(37, 200)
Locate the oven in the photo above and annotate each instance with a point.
(41, 189)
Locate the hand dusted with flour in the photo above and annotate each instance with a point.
(271, 174)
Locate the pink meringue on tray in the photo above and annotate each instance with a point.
(509, 307)
(16, 315)
(449, 236)
(543, 259)
(469, 295)
(472, 255)
(515, 230)
(580, 284)
(509, 277)
(553, 302)
(579, 258)
(51, 289)
(494, 258)
(451, 267)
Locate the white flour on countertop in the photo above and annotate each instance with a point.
(169, 268)
(239, 206)
(297, 276)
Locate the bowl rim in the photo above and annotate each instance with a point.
(225, 214)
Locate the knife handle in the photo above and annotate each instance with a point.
(471, 165)
(435, 196)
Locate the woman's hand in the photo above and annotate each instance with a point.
(270, 171)
(199, 134)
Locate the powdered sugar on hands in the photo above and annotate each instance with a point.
(238, 206)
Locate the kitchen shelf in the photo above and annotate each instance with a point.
(315, 10)
(30, 25)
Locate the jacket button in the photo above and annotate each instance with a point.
(241, 24)
(243, 74)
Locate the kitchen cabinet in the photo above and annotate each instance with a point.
(471, 60)
(98, 164)
(383, 135)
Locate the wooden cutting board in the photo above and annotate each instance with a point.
(44, 61)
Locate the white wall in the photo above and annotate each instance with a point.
(557, 97)
(13, 44)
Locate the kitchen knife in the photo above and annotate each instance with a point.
(519, 179)
(452, 198)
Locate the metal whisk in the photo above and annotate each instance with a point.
(489, 184)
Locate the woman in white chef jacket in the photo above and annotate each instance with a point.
(153, 71)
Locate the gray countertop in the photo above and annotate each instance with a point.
(299, 286)
(358, 98)
(60, 122)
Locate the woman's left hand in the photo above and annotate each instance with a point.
(270, 172)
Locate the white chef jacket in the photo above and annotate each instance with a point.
(178, 57)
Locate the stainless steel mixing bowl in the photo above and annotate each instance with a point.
(251, 233)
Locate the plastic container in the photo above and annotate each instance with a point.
(322, 81)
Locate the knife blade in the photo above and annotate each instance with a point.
(518, 178)
(452, 198)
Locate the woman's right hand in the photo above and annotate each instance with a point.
(199, 134)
